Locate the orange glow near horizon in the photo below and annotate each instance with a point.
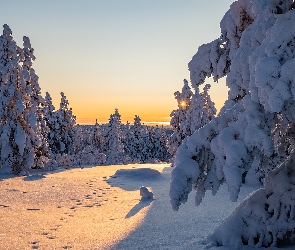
(152, 109)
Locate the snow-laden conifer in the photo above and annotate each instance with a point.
(200, 112)
(128, 142)
(113, 140)
(66, 122)
(87, 145)
(180, 128)
(37, 102)
(97, 137)
(254, 131)
(136, 140)
(22, 143)
(194, 111)
(50, 116)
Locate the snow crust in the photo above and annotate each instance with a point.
(101, 208)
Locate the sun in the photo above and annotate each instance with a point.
(183, 104)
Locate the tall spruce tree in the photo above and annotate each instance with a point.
(22, 143)
(113, 140)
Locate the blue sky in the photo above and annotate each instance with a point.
(125, 54)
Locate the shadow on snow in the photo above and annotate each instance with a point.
(133, 179)
(140, 205)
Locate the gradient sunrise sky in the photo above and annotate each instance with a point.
(107, 54)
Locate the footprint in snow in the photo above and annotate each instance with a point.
(34, 244)
(67, 247)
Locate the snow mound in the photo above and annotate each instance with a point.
(145, 193)
(139, 174)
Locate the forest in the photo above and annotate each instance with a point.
(35, 135)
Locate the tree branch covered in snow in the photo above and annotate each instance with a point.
(253, 134)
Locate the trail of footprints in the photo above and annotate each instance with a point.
(95, 198)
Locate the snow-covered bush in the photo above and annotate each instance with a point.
(254, 132)
(90, 156)
(65, 161)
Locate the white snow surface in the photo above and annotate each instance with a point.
(101, 208)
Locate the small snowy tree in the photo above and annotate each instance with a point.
(128, 142)
(113, 140)
(87, 145)
(134, 140)
(97, 137)
(200, 112)
(194, 111)
(255, 128)
(162, 153)
(178, 117)
(50, 116)
(66, 122)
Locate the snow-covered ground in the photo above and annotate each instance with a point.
(101, 208)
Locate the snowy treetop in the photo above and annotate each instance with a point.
(6, 30)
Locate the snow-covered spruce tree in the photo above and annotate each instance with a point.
(194, 111)
(201, 111)
(87, 151)
(79, 139)
(66, 122)
(97, 137)
(37, 103)
(147, 145)
(178, 117)
(50, 116)
(22, 143)
(255, 128)
(160, 144)
(113, 140)
(128, 141)
(135, 141)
